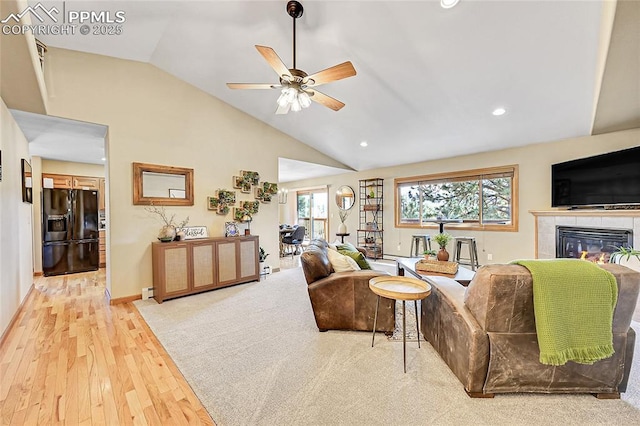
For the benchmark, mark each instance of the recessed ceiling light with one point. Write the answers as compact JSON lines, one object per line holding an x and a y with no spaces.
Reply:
{"x":364,"y":143}
{"x":448,"y":4}
{"x":499,"y":111}
{"x":103,"y":159}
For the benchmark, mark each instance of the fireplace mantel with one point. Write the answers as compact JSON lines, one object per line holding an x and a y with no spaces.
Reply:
{"x":547,"y":220}
{"x":586,"y":212}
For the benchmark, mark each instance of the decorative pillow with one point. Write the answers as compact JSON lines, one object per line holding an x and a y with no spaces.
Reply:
{"x":342,"y":263}
{"x":349,"y":250}
{"x":346,"y":246}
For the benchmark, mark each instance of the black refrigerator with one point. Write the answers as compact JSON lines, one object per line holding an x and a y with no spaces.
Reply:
{"x":70,"y":238}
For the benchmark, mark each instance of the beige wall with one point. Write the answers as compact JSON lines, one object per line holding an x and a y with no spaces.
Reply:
{"x":72,"y":168}
{"x":535,"y":192}
{"x":16,"y":262}
{"x":156,"y":118}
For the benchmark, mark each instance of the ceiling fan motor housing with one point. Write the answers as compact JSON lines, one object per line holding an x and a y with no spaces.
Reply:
{"x":294,"y":9}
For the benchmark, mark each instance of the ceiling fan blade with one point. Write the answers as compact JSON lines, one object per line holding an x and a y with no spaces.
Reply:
{"x":274,"y":61}
{"x":337,"y":72}
{"x":283,"y":109}
{"x":326,"y":100}
{"x":252,"y":86}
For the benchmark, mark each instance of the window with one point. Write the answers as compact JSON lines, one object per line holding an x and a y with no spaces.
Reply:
{"x":485,"y":199}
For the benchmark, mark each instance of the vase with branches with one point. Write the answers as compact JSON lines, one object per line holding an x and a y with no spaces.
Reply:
{"x":343,"y":214}
{"x":168,"y":230}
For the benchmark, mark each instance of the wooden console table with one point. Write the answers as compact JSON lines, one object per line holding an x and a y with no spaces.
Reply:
{"x":182,"y":268}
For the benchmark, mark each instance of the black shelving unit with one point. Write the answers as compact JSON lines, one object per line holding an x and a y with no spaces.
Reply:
{"x":370,"y":230}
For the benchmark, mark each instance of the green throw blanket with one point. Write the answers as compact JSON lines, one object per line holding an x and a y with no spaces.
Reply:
{"x":573,"y":302}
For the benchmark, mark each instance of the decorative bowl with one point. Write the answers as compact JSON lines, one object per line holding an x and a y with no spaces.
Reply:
{"x":166,"y":239}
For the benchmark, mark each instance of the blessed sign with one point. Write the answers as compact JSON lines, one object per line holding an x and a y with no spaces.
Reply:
{"x":193,"y":232}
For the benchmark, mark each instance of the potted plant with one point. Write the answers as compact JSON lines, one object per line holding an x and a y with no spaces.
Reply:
{"x":626,"y":256}
{"x":442,"y":240}
{"x":429,"y":254}
{"x":262,"y":257}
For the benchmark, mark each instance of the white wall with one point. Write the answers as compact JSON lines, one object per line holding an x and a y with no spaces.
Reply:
{"x":156,"y":118}
{"x":535,"y":192}
{"x":16,"y":262}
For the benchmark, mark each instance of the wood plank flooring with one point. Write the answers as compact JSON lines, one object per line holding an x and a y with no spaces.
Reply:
{"x":71,"y":358}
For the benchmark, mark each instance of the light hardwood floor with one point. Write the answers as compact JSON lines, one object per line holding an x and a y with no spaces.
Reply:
{"x":71,"y":358}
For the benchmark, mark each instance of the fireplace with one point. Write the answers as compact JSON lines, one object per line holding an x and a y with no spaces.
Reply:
{"x":593,"y":244}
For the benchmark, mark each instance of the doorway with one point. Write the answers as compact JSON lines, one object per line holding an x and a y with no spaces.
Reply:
{"x":312,"y":212}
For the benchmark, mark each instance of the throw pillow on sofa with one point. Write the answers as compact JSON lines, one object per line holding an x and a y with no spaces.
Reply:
{"x":349,"y":250}
{"x":341,"y":263}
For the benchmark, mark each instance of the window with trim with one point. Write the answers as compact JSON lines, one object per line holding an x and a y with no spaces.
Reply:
{"x":485,"y":199}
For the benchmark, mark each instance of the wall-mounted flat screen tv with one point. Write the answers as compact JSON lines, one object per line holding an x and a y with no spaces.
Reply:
{"x":603,"y":180}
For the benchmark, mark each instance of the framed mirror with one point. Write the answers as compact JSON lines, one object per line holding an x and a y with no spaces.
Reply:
{"x":162,"y":185}
{"x":345,"y":197}
{"x":27,"y":182}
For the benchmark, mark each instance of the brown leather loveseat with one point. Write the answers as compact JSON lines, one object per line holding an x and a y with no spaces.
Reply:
{"x":343,"y":300}
{"x":486,"y":334}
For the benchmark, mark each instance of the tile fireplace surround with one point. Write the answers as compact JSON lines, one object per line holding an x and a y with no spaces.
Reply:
{"x":547,"y":220}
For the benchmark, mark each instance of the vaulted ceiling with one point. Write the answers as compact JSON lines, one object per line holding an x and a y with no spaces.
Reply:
{"x":427,"y":78}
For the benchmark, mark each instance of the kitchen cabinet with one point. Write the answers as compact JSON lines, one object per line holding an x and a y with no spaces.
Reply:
{"x":59,"y":181}
{"x":188,"y":267}
{"x":72,"y":182}
{"x":102,"y":248}
{"x":86,"y":182}
{"x":101,"y":194}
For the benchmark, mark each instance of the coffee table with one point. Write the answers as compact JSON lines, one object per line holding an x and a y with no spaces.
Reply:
{"x":463,"y":276}
{"x":399,"y":288}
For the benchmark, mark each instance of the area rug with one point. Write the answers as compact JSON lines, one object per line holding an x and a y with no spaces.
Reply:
{"x":253,"y":355}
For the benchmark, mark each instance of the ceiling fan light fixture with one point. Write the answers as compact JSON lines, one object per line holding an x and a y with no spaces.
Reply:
{"x":295,"y":105}
{"x":448,"y":4}
{"x":304,"y":99}
{"x":294,"y":82}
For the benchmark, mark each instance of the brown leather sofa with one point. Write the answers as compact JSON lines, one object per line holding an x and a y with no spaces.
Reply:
{"x":486,"y":334}
{"x":343,"y":300}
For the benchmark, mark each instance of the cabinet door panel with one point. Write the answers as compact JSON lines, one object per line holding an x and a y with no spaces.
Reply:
{"x":176,"y":269}
{"x":203,"y":265}
{"x":101,"y":189}
{"x":86,"y":182}
{"x":227,"y":262}
{"x":59,"y":181}
{"x":248,"y":259}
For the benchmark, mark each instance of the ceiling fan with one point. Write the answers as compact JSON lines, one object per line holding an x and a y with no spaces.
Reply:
{"x":298,"y":88}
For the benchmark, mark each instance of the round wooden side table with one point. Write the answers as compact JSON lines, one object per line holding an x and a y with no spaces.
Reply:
{"x":399,"y":288}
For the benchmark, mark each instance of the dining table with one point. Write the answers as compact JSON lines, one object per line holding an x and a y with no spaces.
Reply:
{"x":283,"y":233}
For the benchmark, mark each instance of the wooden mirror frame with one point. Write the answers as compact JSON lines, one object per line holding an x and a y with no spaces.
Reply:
{"x":140,"y":200}
{"x":340,"y":191}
